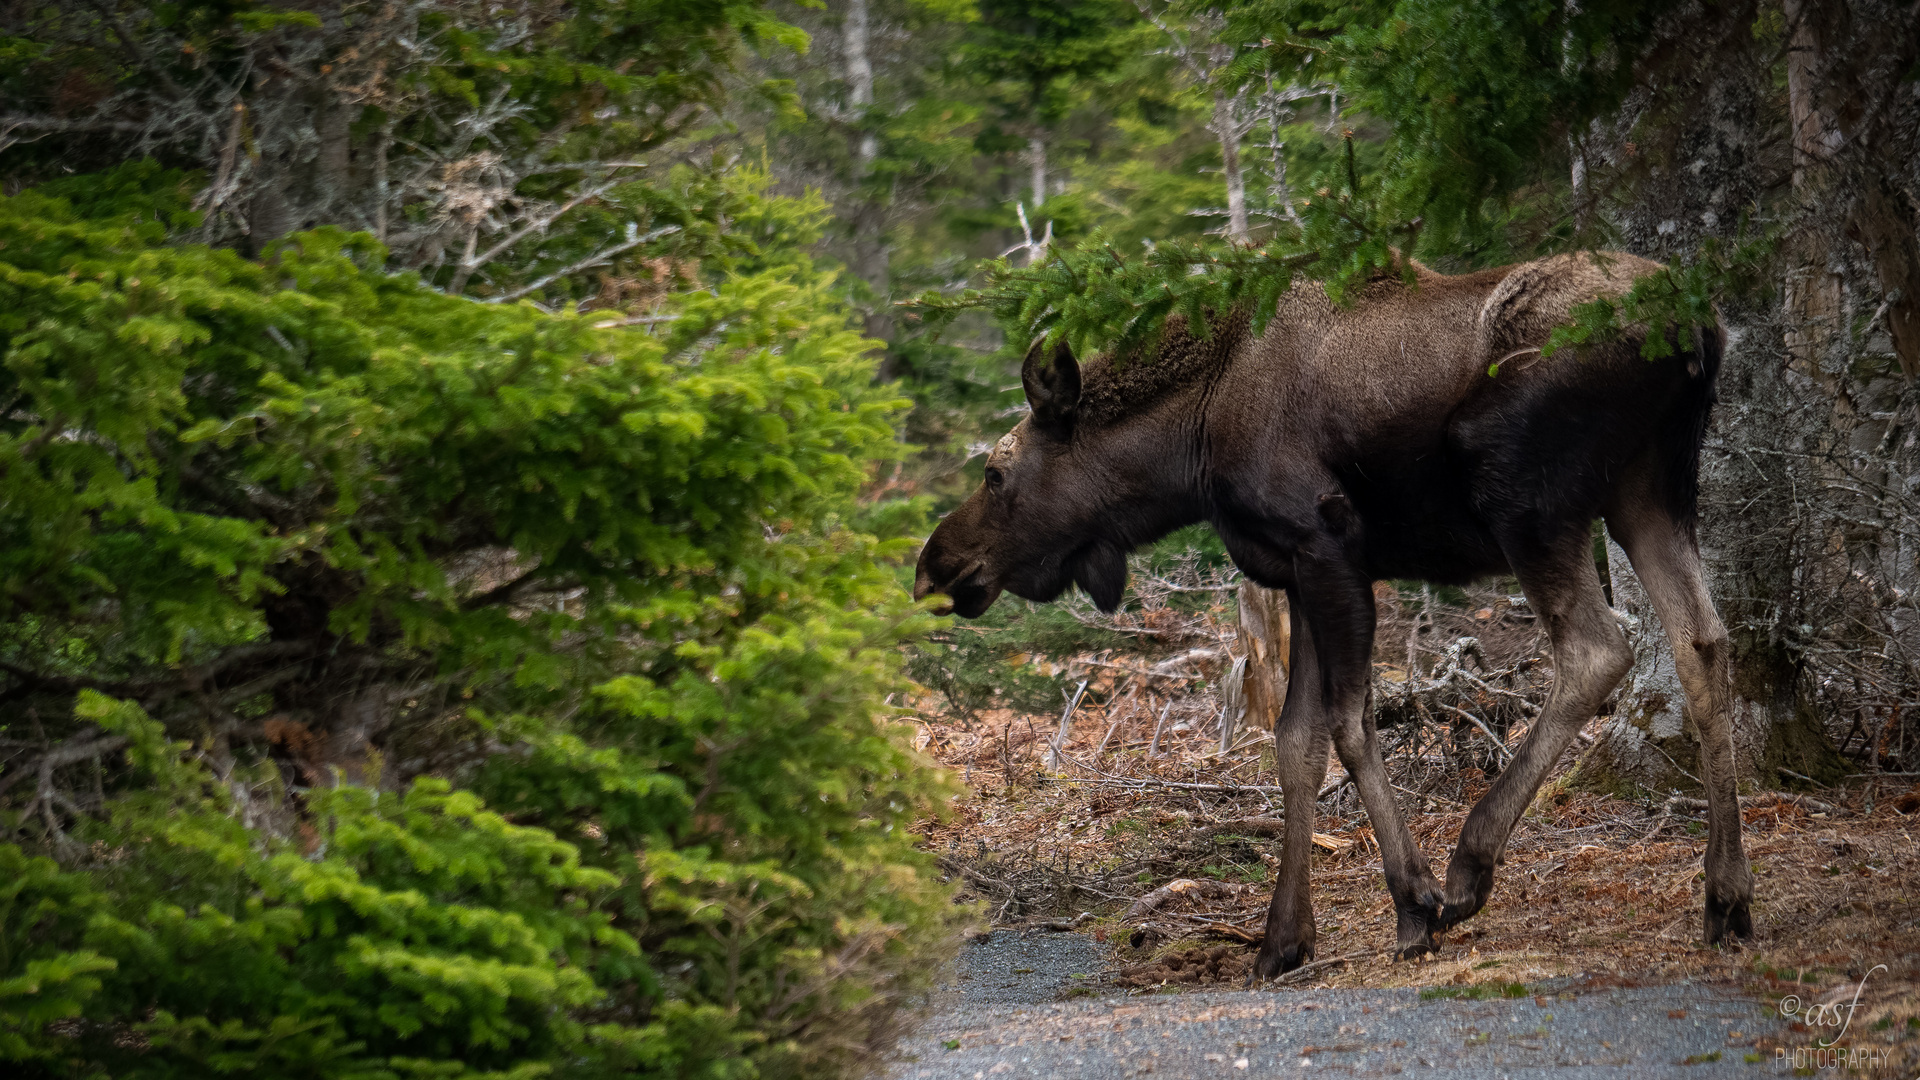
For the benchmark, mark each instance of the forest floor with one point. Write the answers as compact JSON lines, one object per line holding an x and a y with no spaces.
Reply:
{"x":1596,"y":894}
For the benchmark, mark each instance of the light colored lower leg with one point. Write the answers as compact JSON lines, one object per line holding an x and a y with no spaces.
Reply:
{"x":1667,"y":562}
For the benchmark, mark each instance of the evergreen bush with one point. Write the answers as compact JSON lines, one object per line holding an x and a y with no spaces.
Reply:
{"x":401,"y":685}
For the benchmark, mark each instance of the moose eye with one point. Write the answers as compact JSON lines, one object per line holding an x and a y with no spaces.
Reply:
{"x":994,"y":477}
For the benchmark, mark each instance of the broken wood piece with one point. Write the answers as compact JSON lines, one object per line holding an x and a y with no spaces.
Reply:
{"x":1153,"y":746}
{"x":1253,"y":826}
{"x":1234,"y":933}
{"x":1144,"y":782}
{"x":1121,"y":714}
{"x":1687,"y":803}
{"x":1066,"y":924}
{"x":1198,"y":889}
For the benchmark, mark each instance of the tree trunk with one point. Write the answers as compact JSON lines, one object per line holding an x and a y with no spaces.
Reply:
{"x":1813,"y":290}
{"x":1644,"y":740}
{"x":1754,"y":529}
{"x":871,"y":261}
{"x":332,"y":177}
{"x":269,"y":215}
{"x":1265,"y":631}
{"x":1037,"y":158}
{"x":1885,"y":224}
{"x":1224,"y":128}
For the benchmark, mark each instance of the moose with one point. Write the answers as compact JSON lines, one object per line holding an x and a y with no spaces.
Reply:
{"x":1416,"y":431}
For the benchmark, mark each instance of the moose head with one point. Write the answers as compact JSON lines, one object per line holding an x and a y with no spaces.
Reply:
{"x":1079,"y":482}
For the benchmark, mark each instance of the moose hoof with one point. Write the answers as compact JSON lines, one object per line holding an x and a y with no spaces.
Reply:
{"x":1274,"y":962}
{"x":1415,"y":932}
{"x":1728,"y":921}
{"x":1453,"y":915}
{"x":1468,"y":886}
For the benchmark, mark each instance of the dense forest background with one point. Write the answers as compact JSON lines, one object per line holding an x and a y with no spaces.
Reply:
{"x":457,"y":459}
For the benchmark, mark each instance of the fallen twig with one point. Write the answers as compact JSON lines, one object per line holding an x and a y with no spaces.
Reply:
{"x":1253,"y":826}
{"x":1698,"y":806}
{"x":1234,"y":933}
{"x":1265,"y":789}
{"x":1153,"y":747}
{"x":1300,"y":973}
{"x":1505,"y":754}
{"x":1066,"y":720}
{"x":1062,"y":925}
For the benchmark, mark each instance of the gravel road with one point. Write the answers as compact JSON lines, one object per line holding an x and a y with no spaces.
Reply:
{"x":1016,"y":1009}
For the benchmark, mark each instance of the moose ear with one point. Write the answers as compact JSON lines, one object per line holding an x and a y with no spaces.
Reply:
{"x":1052,"y":381}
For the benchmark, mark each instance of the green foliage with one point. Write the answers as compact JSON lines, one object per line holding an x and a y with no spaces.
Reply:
{"x":41,"y":980}
{"x":1476,"y":97}
{"x":1040,"y":48}
{"x":1474,"y":107}
{"x":419,"y":931}
{"x":1477,"y":992}
{"x":1099,"y":297}
{"x":509,"y":684}
{"x":199,"y":945}
{"x":993,"y":661}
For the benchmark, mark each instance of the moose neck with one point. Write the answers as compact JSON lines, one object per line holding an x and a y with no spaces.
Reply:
{"x":1149,"y":446}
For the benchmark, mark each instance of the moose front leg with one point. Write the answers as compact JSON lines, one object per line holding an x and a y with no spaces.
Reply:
{"x":1336,"y":596}
{"x":1300,"y":749}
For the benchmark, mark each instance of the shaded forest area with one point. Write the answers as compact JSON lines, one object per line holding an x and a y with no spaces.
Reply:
{"x":460,"y":466}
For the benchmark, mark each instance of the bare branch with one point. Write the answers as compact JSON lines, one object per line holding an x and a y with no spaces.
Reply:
{"x":598,"y":258}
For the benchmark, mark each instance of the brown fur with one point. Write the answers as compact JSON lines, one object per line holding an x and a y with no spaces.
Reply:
{"x":1348,"y":444}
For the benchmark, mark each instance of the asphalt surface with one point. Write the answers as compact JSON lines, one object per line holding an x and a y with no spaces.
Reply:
{"x":1015,"y":1009}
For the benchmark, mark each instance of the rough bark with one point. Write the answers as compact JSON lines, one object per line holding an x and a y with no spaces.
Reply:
{"x":1641,"y":743}
{"x":1719,"y":156}
{"x":1813,"y":288}
{"x":1886,"y":226}
{"x":1264,"y":627}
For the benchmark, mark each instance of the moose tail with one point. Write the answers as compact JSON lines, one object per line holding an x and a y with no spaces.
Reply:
{"x":1683,"y":435}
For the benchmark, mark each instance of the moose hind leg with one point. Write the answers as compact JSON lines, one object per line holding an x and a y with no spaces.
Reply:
{"x":1590,"y":655}
{"x":1666,"y":558}
{"x":1300,"y":748}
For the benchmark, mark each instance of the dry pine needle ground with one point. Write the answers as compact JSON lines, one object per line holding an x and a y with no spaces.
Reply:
{"x":1591,"y":884}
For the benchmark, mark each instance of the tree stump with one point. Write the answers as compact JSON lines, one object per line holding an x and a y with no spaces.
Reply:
{"x":1265,"y":637}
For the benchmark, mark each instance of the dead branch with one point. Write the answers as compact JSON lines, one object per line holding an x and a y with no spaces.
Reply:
{"x":1300,"y":973}
{"x":70,"y":752}
{"x":1196,"y":888}
{"x":1253,"y":826}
